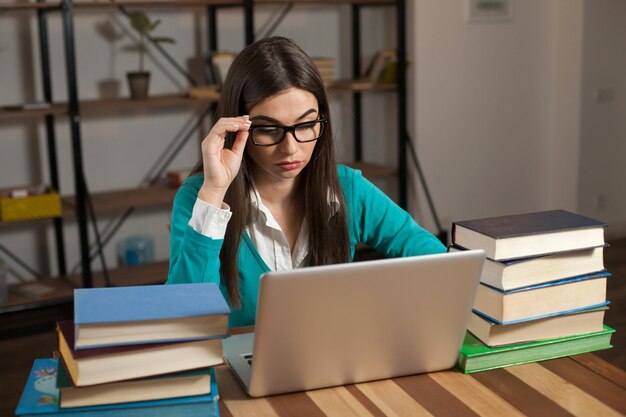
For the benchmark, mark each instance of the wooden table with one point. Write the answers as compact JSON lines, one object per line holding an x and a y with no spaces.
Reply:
{"x":582,"y":385}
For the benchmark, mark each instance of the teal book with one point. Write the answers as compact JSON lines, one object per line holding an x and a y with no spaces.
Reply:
{"x":41,"y":398}
{"x":476,"y":356}
{"x":119,"y":316}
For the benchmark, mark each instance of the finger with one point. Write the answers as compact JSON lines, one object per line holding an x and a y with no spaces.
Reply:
{"x":213,"y":142}
{"x":231,"y":124}
{"x":239,"y":143}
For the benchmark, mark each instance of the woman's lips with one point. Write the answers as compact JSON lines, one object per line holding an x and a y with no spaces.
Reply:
{"x":289,"y":165}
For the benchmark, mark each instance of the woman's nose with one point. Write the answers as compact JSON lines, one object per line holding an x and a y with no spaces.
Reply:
{"x":289,"y":145}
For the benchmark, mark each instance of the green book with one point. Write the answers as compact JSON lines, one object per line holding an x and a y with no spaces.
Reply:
{"x":476,"y":356}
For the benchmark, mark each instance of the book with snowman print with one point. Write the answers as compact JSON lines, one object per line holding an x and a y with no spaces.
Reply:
{"x":41,"y":397}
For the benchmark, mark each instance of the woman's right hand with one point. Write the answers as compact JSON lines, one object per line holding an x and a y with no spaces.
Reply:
{"x":221,"y":165}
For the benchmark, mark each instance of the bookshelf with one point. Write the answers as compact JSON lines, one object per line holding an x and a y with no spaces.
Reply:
{"x":160,"y":195}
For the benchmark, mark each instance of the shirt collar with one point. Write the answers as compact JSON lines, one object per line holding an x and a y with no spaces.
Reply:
{"x":257,"y":203}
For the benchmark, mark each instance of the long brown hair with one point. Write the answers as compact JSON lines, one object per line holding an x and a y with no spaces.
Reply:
{"x":261,"y":70}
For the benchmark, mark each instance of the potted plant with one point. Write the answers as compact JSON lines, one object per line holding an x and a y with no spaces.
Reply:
{"x":109,"y":87}
{"x":139,"y":81}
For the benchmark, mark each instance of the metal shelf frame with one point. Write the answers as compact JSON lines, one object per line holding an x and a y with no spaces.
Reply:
{"x":73,"y":106}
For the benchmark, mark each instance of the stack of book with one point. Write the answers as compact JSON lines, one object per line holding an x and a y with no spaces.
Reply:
{"x":145,"y":350}
{"x":543,"y":288}
{"x":326,"y":67}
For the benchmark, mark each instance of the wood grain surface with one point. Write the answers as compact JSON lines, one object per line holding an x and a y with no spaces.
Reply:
{"x":560,"y":387}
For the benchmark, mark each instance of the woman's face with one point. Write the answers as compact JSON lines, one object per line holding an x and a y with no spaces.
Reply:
{"x":286,"y":160}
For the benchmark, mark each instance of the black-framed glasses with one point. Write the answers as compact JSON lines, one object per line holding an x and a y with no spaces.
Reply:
{"x":270,"y":135}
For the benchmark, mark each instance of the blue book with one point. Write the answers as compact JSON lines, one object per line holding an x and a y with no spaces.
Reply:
{"x":41,"y":397}
{"x":120,"y":316}
{"x":543,"y":300}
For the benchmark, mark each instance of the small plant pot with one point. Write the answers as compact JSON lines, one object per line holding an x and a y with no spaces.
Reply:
{"x":138,"y":83}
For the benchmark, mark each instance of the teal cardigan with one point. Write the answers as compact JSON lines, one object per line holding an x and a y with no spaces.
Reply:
{"x":373,"y":219}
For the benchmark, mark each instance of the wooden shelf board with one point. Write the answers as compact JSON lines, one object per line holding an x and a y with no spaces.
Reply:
{"x":168,"y":100}
{"x":63,"y":287}
{"x":162,"y":195}
{"x":362,"y":86}
{"x":29,"y":6}
{"x":82,"y":4}
{"x":146,"y":274}
{"x":55,"y":108}
{"x":63,"y":291}
{"x":111,"y":201}
{"x":373,"y":2}
{"x":14,"y":223}
{"x":107,"y":202}
{"x":102,"y":4}
{"x":372,"y":171}
{"x":97,"y":105}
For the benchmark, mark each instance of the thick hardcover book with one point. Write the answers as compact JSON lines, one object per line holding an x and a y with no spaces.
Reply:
{"x":530,"y":234}
{"x":151,"y":313}
{"x":519,"y":273}
{"x":111,"y":364}
{"x":543,"y":300}
{"x":41,"y":397}
{"x":179,"y":384}
{"x":494,"y":334}
{"x":476,"y":356}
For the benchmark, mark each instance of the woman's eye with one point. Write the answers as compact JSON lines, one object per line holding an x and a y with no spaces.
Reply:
{"x":306,"y":127}
{"x":266,"y":130}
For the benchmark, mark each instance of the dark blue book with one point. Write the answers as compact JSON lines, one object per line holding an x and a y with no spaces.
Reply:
{"x":41,"y":397}
{"x":529,"y":234}
{"x":120,"y":316}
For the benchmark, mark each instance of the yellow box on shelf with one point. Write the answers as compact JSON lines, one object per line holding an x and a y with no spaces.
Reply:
{"x":29,"y":203}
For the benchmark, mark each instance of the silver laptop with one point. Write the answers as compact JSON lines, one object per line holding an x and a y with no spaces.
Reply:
{"x":341,"y":324}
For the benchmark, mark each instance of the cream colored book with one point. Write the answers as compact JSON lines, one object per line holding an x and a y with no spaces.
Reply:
{"x":544,"y":300}
{"x":493,"y":334}
{"x":112,"y":364}
{"x":519,"y":273}
{"x":180,"y":384}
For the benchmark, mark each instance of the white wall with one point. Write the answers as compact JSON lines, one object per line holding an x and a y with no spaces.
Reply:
{"x":565,"y":104}
{"x":602,"y":187}
{"x":503,"y":112}
{"x":481,"y":107}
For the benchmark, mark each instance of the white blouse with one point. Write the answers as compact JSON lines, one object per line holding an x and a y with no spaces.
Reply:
{"x":265,"y":232}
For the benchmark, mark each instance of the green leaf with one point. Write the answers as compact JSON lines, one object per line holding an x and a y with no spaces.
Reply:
{"x":140,"y":22}
{"x":154,"y":25}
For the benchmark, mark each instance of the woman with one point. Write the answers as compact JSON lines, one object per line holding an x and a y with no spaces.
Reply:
{"x":268,"y":194}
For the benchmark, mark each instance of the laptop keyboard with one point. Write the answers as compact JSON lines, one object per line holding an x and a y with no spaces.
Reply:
{"x":248,"y":358}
